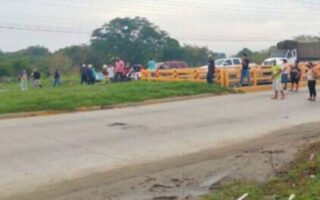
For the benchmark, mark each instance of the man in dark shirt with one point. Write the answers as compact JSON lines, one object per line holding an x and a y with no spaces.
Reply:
{"x":211,"y":70}
{"x":245,"y":71}
{"x":56,"y":81}
{"x":36,"y":78}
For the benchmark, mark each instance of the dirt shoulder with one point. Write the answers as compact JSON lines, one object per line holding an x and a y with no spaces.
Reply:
{"x":189,"y":176}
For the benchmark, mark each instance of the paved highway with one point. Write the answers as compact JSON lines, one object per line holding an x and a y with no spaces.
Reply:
{"x":42,"y":150}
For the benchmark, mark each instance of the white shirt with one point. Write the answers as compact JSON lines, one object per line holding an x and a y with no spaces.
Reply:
{"x":110,"y":71}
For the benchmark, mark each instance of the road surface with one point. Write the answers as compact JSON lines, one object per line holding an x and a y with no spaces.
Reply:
{"x":43,"y":150}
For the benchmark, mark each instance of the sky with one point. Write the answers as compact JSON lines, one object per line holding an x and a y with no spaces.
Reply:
{"x":222,"y":25}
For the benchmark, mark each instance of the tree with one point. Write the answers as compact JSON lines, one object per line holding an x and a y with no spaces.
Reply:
{"x":307,"y":38}
{"x":257,"y":56}
{"x":133,"y":39}
{"x":59,"y":61}
{"x":198,"y":56}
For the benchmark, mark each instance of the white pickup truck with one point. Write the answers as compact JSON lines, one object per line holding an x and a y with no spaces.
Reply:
{"x":229,"y":63}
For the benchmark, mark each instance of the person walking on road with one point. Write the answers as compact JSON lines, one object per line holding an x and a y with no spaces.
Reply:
{"x":312,"y":76}
{"x":245,"y":71}
{"x":24,"y":80}
{"x":211,"y":70}
{"x":285,"y":74}
{"x":295,"y":75}
{"x":276,"y":81}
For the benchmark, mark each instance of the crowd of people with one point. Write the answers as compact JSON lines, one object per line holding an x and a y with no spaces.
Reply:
{"x":117,"y":72}
{"x":281,"y":76}
{"x":35,"y":78}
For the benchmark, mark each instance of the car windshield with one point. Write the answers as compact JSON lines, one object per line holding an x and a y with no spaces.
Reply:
{"x":219,"y":62}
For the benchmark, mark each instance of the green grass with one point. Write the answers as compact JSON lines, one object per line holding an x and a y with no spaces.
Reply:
{"x":71,"y":95}
{"x":296,"y":181}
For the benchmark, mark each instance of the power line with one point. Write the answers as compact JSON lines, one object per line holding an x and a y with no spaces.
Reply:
{"x":41,"y":29}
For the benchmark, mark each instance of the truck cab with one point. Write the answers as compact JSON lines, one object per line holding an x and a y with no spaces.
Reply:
{"x":294,"y":50}
{"x":279,"y":55}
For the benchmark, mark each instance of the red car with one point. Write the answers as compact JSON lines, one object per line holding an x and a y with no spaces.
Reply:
{"x":172,"y":65}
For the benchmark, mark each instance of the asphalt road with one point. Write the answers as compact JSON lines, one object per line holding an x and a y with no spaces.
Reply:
{"x":43,"y":150}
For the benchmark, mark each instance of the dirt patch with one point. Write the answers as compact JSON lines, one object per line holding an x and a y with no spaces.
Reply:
{"x":190,"y":176}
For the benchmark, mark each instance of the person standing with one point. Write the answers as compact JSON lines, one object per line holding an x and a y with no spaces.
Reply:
{"x":245,"y":71}
{"x":285,"y":74}
{"x":211,"y":70}
{"x":276,"y":81}
{"x":119,"y":70}
{"x":56,"y":81}
{"x":110,"y":71}
{"x":151,"y":65}
{"x":36,"y":78}
{"x":84,"y":75}
{"x":24,"y":80}
{"x":90,"y":75}
{"x":295,"y":75}
{"x":312,"y":76}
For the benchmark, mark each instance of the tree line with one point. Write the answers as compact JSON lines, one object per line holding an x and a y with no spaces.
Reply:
{"x":133,"y":39}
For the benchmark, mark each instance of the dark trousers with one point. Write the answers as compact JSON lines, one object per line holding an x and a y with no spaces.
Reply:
{"x":119,"y":77}
{"x":312,"y":88}
{"x":210,"y":77}
{"x":84,"y":79}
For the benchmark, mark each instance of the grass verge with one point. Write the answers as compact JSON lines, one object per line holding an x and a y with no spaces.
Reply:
{"x":71,"y":95}
{"x":301,"y":179}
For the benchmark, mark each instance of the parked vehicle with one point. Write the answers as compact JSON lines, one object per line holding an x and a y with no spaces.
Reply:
{"x":99,"y":76}
{"x":228,"y":63}
{"x":292,"y":50}
{"x":172,"y":65}
{"x":135,"y":72}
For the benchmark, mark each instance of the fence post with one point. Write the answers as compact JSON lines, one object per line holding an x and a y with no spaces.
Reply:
{"x":255,"y":81}
{"x":175,"y":74}
{"x":219,"y":76}
{"x":195,"y":75}
{"x":226,"y":73}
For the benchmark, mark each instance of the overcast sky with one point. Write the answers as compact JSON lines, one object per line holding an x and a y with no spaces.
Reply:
{"x":222,"y":25}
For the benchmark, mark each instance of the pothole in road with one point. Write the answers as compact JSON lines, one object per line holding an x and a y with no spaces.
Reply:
{"x":126,"y":126}
{"x":118,"y":124}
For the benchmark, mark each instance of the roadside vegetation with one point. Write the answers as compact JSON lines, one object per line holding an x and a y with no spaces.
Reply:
{"x":71,"y":95}
{"x":301,"y":181}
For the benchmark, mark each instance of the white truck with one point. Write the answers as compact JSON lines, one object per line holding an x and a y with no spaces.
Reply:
{"x":292,"y":50}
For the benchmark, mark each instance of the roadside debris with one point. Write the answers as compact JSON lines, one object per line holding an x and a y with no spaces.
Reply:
{"x":243,"y":196}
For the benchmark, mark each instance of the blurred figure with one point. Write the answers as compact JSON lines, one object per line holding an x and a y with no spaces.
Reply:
{"x":119,"y":70}
{"x":285,"y":74}
{"x":56,"y":81}
{"x":105,"y":72}
{"x":295,"y":75}
{"x":24,"y":80}
{"x":245,"y":71}
{"x":312,"y":77}
{"x":36,"y":78}
{"x":111,"y":73}
{"x":211,"y":70}
{"x":151,"y":64}
{"x":276,"y":81}
{"x":90,"y":75}
{"x":84,"y":75}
